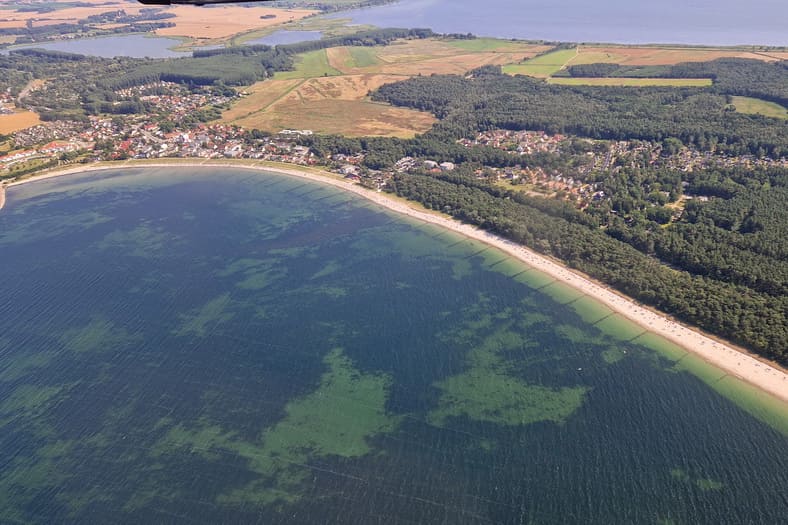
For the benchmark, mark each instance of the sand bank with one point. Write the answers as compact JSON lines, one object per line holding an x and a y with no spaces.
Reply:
{"x":735,"y":362}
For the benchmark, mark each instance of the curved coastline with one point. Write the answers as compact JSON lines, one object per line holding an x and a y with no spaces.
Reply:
{"x":768,"y":377}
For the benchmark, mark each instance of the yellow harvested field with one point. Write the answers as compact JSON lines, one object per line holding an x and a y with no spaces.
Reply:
{"x":17,"y":121}
{"x":327,"y":105}
{"x":349,"y":87}
{"x":216,"y":23}
{"x":226,"y":21}
{"x":11,"y":24}
{"x":68,"y":15}
{"x":353,"y":118}
{"x":659,"y":56}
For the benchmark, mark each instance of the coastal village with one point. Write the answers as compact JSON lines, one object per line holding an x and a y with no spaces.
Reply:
{"x":169,"y":130}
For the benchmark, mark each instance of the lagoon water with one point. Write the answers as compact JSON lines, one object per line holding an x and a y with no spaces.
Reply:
{"x":702,"y":22}
{"x":136,"y":45}
{"x":215,"y":345}
{"x":706,"y":22}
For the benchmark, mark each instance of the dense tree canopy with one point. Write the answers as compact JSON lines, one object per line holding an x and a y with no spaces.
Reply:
{"x":696,"y":116}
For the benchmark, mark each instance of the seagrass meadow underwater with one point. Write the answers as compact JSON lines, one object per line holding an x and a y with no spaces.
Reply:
{"x":216,"y":345}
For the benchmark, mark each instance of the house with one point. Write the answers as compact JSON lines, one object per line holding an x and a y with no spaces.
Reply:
{"x":349,"y":170}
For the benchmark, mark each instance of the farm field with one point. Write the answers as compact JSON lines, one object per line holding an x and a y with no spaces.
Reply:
{"x":335,"y":104}
{"x":308,"y":65}
{"x":17,"y":121}
{"x":328,"y":90}
{"x":641,"y":82}
{"x":259,"y":96}
{"x":544,"y":65}
{"x":427,"y":56}
{"x":67,"y":15}
{"x":227,"y":21}
{"x":756,"y":106}
{"x":223,"y":23}
{"x":491,"y":44}
{"x":660,"y":56}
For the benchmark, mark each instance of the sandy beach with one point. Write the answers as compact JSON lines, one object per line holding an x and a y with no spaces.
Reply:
{"x":733,"y":361}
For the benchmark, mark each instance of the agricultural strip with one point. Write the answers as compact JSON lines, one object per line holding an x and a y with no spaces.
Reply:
{"x":658,"y":56}
{"x":543,"y":65}
{"x":637,"y":82}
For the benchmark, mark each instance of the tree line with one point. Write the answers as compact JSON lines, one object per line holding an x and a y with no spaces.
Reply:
{"x":731,"y":76}
{"x":753,"y":319}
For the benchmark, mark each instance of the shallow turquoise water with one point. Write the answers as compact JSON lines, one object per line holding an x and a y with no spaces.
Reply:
{"x":190,"y":346}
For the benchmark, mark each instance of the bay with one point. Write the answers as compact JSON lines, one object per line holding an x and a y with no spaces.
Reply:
{"x":135,"y":45}
{"x":702,"y":22}
{"x":218,"y":345}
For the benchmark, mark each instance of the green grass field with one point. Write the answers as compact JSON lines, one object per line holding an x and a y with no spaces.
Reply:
{"x":543,"y":65}
{"x":481,"y":44}
{"x":756,"y":106}
{"x":310,"y":65}
{"x":364,"y":56}
{"x":638,"y":82}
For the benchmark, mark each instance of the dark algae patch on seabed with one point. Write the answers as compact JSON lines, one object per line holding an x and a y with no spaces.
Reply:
{"x":216,"y":345}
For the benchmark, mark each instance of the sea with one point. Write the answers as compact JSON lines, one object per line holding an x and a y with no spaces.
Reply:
{"x":216,"y":345}
{"x":703,"y":22}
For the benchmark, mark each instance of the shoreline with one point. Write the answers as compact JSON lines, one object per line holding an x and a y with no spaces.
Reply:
{"x":768,"y":377}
